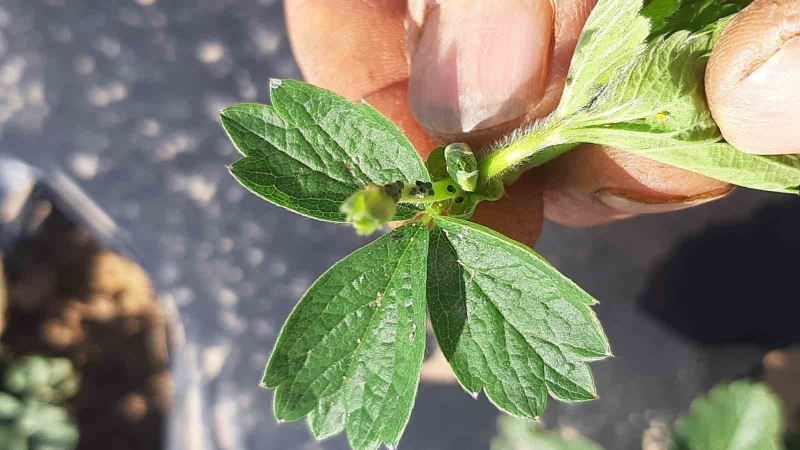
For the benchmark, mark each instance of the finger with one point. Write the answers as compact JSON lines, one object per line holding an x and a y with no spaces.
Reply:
{"x":593,"y":185}
{"x":479,"y":69}
{"x":753,"y":78}
{"x":357,"y":49}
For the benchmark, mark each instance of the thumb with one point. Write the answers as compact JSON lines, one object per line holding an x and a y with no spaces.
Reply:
{"x":477,"y":65}
{"x":753,"y":78}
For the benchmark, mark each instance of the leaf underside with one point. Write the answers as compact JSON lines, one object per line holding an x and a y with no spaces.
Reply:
{"x":349,"y":355}
{"x":312,"y":149}
{"x":645,"y":93}
{"x":508,"y":322}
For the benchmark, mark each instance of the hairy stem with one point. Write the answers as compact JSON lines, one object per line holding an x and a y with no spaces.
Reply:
{"x":523,"y":150}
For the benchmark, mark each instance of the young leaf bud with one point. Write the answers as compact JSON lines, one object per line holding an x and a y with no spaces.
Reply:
{"x":370,"y":208}
{"x":462,"y":165}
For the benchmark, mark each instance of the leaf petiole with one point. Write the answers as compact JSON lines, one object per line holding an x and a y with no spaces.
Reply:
{"x":422,"y":193}
{"x":524,"y":150}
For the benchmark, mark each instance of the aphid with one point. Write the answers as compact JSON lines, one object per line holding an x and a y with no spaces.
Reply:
{"x":450,"y":188}
{"x":431,"y":192}
{"x":420,"y":183}
{"x":414,"y":191}
{"x":459,"y":199}
{"x":428,"y":185}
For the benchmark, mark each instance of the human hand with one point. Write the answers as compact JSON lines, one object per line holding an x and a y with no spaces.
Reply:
{"x":459,"y":70}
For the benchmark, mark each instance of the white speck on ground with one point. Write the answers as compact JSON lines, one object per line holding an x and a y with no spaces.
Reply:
{"x":173,"y":145}
{"x":183,"y":295}
{"x":210,"y":52}
{"x":656,"y":436}
{"x":266,"y":41}
{"x":255,"y":256}
{"x":84,"y":165}
{"x":146,"y":2}
{"x":213,"y":358}
{"x":102,"y":96}
{"x":225,"y":245}
{"x":232,"y":323}
{"x":109,"y":47}
{"x":150,"y":128}
{"x":22,"y":95}
{"x":228,"y":298}
{"x":227,"y":421}
{"x":196,"y":187}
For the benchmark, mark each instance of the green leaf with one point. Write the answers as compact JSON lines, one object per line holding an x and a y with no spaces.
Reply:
{"x":669,"y":16}
{"x":612,"y":36}
{"x":9,"y":406}
{"x":462,"y":166}
{"x":778,"y":173}
{"x":661,"y":92}
{"x":349,"y":354}
{"x":516,"y":434}
{"x":436,"y":164}
{"x":739,"y":416}
{"x":509,"y":322}
{"x":312,"y":149}
{"x":656,"y":107}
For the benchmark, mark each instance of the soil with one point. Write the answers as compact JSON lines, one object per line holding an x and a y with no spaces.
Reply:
{"x":68,"y":296}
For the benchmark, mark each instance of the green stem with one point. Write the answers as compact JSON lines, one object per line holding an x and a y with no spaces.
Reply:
{"x":529,"y":150}
{"x":442,"y":190}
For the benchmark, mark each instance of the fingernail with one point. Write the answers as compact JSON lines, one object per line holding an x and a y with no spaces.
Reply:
{"x":479,"y":64}
{"x":628,"y":203}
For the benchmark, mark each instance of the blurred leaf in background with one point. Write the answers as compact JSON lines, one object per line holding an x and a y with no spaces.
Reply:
{"x":739,"y":416}
{"x":517,"y":434}
{"x":32,"y":411}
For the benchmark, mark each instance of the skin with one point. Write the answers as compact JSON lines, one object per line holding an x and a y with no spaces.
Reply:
{"x":460,"y":70}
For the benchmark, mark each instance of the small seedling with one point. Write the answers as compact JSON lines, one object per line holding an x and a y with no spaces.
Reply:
{"x":32,"y":412}
{"x":348,"y":357}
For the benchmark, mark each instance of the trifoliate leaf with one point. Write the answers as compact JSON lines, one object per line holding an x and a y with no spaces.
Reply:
{"x":739,"y":416}
{"x":349,"y":354}
{"x":516,"y":434}
{"x":462,"y":165}
{"x":508,"y":322}
{"x":312,"y":149}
